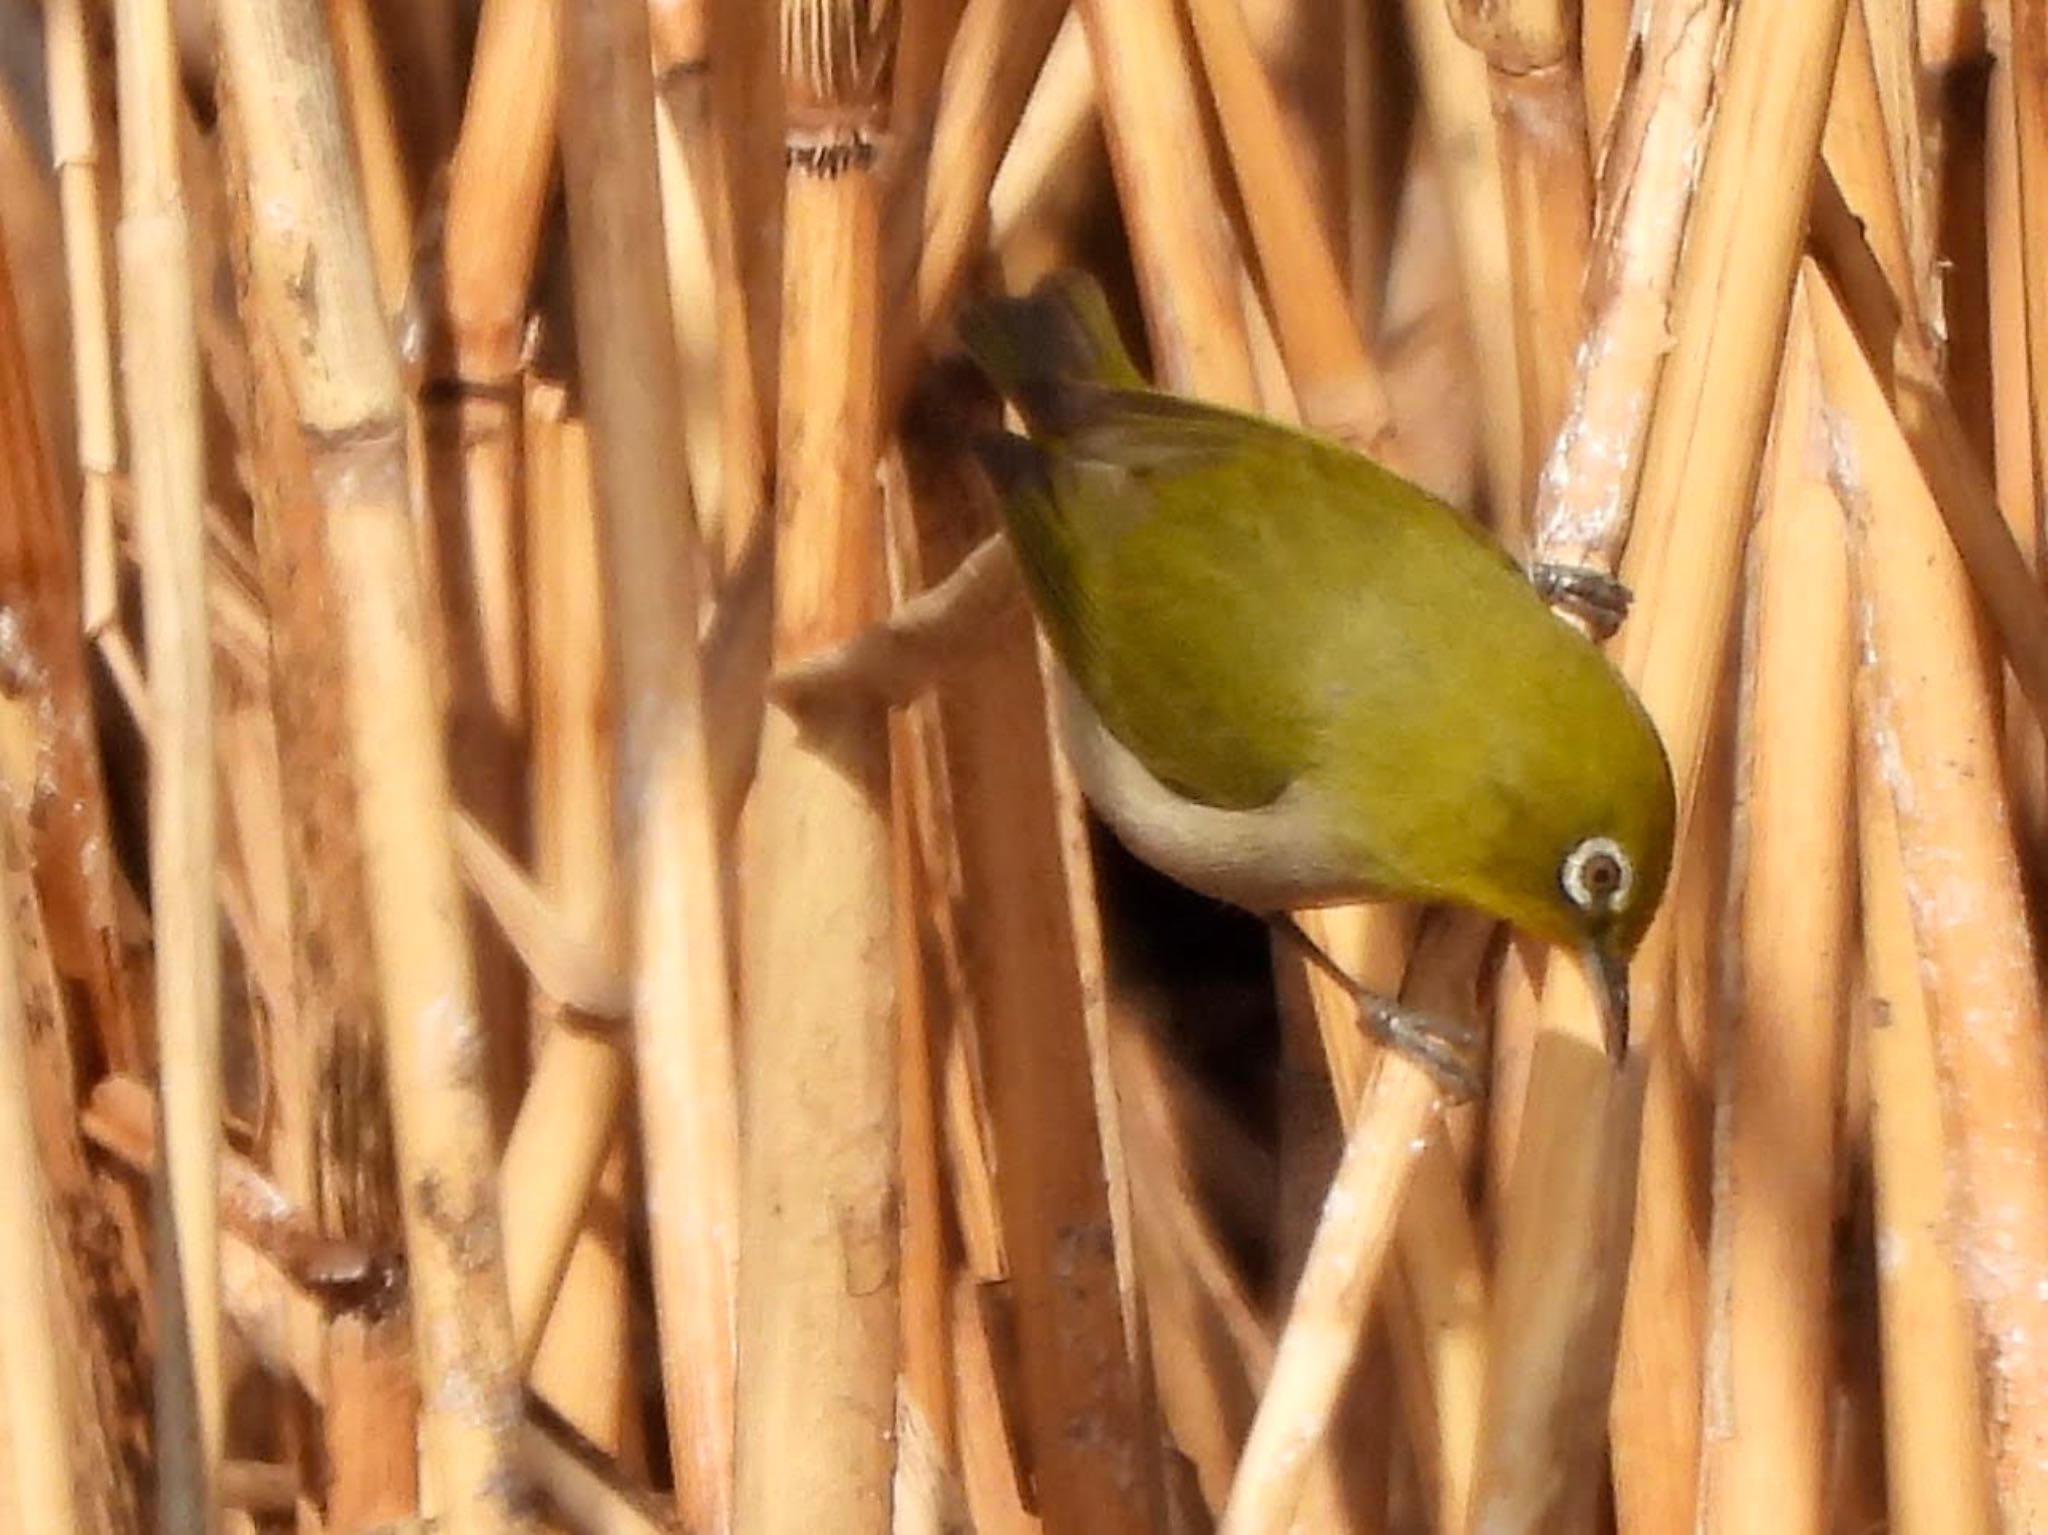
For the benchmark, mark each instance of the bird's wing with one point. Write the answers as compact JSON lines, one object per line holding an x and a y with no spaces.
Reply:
{"x":1192,"y":567}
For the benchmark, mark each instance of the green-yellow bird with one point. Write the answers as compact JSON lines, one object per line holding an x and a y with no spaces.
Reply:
{"x":1294,"y":679}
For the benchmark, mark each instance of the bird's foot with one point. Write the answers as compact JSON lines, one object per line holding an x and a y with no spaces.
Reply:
{"x":1452,"y":1052}
{"x":1584,"y":592}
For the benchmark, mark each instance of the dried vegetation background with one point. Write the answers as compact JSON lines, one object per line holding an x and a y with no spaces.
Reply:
{"x":471,"y":1060}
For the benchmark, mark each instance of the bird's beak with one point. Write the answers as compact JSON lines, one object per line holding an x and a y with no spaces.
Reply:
{"x":1609,"y":974}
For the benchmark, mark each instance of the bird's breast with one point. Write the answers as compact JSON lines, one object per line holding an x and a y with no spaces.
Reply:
{"x":1278,"y":856}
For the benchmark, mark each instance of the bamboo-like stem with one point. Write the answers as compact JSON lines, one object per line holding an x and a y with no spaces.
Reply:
{"x":581,"y":1368}
{"x":1085,"y":1436}
{"x":1539,"y":109}
{"x":1586,"y":492}
{"x":325,"y":321}
{"x":683,"y":1025}
{"x":380,"y":159}
{"x":160,"y":366}
{"x":1332,"y":371}
{"x":1940,"y":751}
{"x":1360,"y":1214}
{"x":1766,"y":1434}
{"x":37,"y":1419}
{"x":1559,"y":1268}
{"x":1893,"y":29}
{"x":74,"y":144}
{"x":998,"y":52}
{"x":818,"y":1252}
{"x":1933,"y":1428}
{"x":2011,"y":420}
{"x":1180,"y":241}
{"x":1859,"y":158}
{"x":687,"y":69}
{"x":1610,"y":48}
{"x":1455,"y":96}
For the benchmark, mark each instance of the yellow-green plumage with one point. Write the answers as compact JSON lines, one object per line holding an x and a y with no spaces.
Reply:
{"x":1262,"y":618}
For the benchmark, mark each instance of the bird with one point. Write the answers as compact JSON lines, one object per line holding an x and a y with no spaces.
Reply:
{"x":1288,"y":678}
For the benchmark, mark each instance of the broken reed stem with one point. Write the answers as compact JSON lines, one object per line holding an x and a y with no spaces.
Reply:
{"x":1328,"y":362}
{"x":326,"y":323}
{"x":1767,"y":1443}
{"x":1180,"y":240}
{"x":1939,"y":752}
{"x":818,"y":1251}
{"x":1548,"y":1356}
{"x":1082,"y":1411}
{"x":37,"y":1422}
{"x":667,"y":837}
{"x":1935,"y":1465}
{"x":1546,"y":171}
{"x":1586,"y":491}
{"x":160,"y":368}
{"x":74,"y":145}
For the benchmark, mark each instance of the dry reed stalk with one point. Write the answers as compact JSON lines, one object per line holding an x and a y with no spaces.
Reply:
{"x":325,"y":322}
{"x":1935,"y":1465}
{"x":1180,"y":241}
{"x":2025,"y":58}
{"x":988,"y":1469}
{"x":1054,"y":168}
{"x":1553,"y":1297}
{"x":1084,"y":1429}
{"x":818,"y":1251}
{"x":1939,"y":753}
{"x":498,"y":185}
{"x":1895,"y":50}
{"x":580,"y":1369}
{"x":1586,"y":492}
{"x":1331,"y":1303}
{"x":927,"y":1493}
{"x":1611,"y":48}
{"x":687,"y":70}
{"x":380,"y":157}
{"x":1546,"y":170}
{"x":1455,"y":98}
{"x":160,"y":369}
{"x":1328,"y":362}
{"x":998,"y":52}
{"x":329,"y":1141}
{"x":1858,"y":156}
{"x":75,"y":150}
{"x":1766,"y":1433}
{"x":666,"y":835}
{"x":38,"y":1406}
{"x":2010,"y":416}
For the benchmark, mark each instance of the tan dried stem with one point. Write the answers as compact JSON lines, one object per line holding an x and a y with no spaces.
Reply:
{"x":75,"y":148}
{"x":1586,"y":492}
{"x":1082,"y":1411}
{"x":666,"y":833}
{"x":325,"y":321}
{"x":1180,"y":240}
{"x":1328,"y":362}
{"x":32,"y":1375}
{"x":1767,"y":1439}
{"x":1539,"y":110}
{"x":1455,"y":98}
{"x":1939,"y":752}
{"x":160,"y":368}
{"x":1559,"y":1271}
{"x":818,"y":1250}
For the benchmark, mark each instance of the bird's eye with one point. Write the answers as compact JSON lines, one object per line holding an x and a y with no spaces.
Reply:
{"x":1597,"y":875}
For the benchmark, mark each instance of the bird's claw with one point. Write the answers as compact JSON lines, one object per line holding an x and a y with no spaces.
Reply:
{"x":1589,"y":594}
{"x":1451,"y":1051}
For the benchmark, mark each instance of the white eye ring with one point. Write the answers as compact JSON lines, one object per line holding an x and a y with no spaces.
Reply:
{"x":1585,"y":882}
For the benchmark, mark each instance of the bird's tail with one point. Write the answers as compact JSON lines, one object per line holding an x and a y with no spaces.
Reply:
{"x":1037,"y":348}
